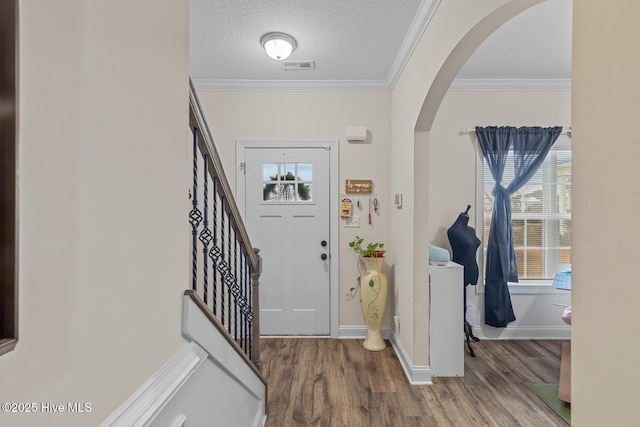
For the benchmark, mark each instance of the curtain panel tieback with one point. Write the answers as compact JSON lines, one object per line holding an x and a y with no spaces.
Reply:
{"x":530,"y":146}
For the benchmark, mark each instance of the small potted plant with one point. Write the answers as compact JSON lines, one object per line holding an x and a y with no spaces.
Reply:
{"x":372,"y":283}
{"x":371,"y":250}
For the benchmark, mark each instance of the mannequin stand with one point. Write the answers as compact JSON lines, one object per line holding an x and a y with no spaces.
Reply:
{"x":464,"y":244}
{"x":468,"y":334}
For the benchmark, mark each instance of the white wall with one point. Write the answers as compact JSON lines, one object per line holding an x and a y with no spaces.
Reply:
{"x":455,"y":31}
{"x":103,"y":179}
{"x":299,"y":115}
{"x":605,"y":112}
{"x":452,"y":186}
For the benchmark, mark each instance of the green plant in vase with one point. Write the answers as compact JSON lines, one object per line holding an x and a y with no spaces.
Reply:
{"x":373,"y":286}
{"x":370,"y":250}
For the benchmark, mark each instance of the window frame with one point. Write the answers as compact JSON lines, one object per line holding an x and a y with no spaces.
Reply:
{"x":523,"y":286}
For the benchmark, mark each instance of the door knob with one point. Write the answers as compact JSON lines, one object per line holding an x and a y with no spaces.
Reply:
{"x":323,"y":256}
{"x":323,"y":243}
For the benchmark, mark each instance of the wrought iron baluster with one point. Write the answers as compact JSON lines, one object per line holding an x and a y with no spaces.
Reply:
{"x":195,"y":216}
{"x":250,"y":331}
{"x":220,"y":265}
{"x":215,"y":242}
{"x":242,"y":284}
{"x":245,"y":318}
{"x":205,"y":234}
{"x":229,"y":273}
{"x":247,"y":328}
{"x":249,"y":304}
{"x":235,"y":270}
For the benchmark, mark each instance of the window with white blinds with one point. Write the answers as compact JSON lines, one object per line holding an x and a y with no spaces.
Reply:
{"x":541,"y":214}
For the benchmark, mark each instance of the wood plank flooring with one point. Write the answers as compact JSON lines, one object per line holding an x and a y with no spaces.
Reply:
{"x":327,"y":382}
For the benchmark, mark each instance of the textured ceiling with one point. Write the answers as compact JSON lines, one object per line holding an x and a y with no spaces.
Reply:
{"x":360,"y":43}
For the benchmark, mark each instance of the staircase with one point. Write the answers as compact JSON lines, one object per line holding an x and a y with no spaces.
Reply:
{"x":215,"y":379}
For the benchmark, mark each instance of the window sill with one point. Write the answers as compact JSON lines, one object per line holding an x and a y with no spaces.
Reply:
{"x":530,"y":287}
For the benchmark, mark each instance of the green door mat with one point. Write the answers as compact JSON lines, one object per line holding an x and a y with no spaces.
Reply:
{"x":548,"y":393}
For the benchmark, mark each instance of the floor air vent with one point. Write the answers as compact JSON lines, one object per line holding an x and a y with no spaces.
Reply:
{"x":298,"y":65}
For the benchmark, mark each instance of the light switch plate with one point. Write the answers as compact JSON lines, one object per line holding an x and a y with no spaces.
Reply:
{"x":353,"y":222}
{"x":398,"y":200}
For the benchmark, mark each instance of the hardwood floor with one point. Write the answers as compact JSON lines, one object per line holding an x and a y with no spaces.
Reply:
{"x":327,"y":382}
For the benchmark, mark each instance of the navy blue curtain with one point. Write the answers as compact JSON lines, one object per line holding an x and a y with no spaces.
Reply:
{"x":530,"y":146}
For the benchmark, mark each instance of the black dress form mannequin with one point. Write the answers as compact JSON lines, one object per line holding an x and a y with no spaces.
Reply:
{"x":464,"y":244}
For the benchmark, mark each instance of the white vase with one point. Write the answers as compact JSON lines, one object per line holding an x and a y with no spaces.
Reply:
{"x":373,"y":288}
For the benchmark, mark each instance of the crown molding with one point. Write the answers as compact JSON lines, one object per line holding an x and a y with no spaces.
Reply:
{"x":511,"y":84}
{"x":423,"y":16}
{"x":283,"y":85}
{"x":378,"y":85}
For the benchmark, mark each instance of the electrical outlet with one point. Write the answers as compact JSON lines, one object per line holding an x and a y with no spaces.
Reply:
{"x":396,"y":320}
{"x":353,"y":222}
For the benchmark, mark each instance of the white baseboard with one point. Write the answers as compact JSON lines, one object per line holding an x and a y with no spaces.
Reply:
{"x":522,"y":333}
{"x":417,"y":375}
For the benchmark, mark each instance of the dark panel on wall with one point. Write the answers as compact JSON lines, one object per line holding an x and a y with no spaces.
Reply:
{"x":8,"y":164}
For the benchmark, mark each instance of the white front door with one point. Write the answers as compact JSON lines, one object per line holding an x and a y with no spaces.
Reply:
{"x":287,"y":217}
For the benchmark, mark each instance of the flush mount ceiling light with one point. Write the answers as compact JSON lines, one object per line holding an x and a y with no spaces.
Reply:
{"x":278,"y":45}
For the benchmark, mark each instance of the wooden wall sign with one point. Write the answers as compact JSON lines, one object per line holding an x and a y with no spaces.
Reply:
{"x":359,"y":186}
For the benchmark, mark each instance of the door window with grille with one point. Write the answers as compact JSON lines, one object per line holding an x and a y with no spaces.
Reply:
{"x":287,"y":182}
{"x":540,"y":214}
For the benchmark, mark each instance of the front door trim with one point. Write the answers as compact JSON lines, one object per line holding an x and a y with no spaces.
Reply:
{"x":332,"y":146}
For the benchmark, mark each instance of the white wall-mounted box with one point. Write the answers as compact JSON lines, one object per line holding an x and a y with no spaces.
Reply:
{"x":356,"y":133}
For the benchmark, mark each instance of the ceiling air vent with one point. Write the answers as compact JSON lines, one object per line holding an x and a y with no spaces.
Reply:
{"x":298,"y":65}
